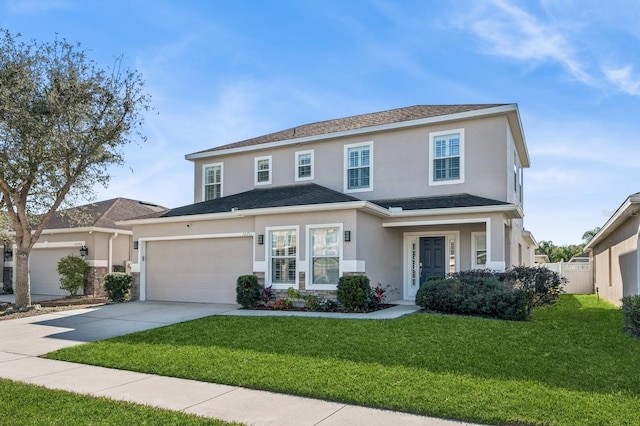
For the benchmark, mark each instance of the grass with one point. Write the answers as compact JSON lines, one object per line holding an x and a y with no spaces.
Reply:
{"x":571,"y":365}
{"x":23,"y":404}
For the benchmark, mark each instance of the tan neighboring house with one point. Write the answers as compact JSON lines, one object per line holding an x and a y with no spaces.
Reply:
{"x":90,"y":230}
{"x":398,"y":195}
{"x":614,"y":253}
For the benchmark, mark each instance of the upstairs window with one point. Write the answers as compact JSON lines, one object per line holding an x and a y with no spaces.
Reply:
{"x":359,"y":167}
{"x":212,"y":181}
{"x":304,"y":165}
{"x":263,"y":170}
{"x":446,"y":153}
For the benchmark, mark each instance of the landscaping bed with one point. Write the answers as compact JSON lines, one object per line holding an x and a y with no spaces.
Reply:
{"x":9,"y":311}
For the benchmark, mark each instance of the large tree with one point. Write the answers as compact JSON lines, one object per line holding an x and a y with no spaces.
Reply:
{"x":63,"y":123}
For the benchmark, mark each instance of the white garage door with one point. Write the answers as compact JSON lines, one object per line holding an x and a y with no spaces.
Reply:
{"x":202,"y":271}
{"x":43,"y":270}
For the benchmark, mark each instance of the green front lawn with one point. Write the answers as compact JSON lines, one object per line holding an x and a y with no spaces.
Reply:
{"x":23,"y":404}
{"x":571,"y":365}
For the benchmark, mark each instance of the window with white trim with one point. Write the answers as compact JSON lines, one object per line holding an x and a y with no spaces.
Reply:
{"x":358,"y":159}
{"x":212,"y":178}
{"x":304,"y":165}
{"x":325,"y":255}
{"x":446,"y":157}
{"x":479,"y":250}
{"x":283,"y":256}
{"x":263,"y":170}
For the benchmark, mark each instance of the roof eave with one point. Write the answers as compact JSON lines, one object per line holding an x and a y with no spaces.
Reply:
{"x":503,"y":109}
{"x":85,"y":229}
{"x":628,"y":208}
{"x":239,"y":213}
{"x":512,"y":211}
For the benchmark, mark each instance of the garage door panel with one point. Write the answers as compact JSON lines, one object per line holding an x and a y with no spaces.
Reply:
{"x":196,"y":270}
{"x":43,"y":270}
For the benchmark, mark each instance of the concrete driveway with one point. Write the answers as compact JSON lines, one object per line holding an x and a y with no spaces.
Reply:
{"x":40,"y":334}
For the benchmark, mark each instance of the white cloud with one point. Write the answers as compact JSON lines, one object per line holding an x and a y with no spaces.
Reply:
{"x":623,"y":79}
{"x":511,"y":32}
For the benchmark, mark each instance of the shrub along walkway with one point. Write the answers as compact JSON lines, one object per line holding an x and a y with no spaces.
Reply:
{"x":20,"y":362}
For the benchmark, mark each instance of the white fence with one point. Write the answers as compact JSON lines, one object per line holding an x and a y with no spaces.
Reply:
{"x":578,"y":275}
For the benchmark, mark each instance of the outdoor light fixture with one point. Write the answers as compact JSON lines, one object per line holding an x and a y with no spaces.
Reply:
{"x":347,"y":235}
{"x":135,"y":245}
{"x":84,"y":250}
{"x":8,"y":254}
{"x":261,"y":239}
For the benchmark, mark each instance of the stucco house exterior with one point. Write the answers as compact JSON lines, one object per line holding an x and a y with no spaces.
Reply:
{"x":91,"y":227}
{"x":398,"y":195}
{"x":614,"y":253}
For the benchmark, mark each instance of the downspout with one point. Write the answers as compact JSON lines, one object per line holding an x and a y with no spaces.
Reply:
{"x":110,"y":263}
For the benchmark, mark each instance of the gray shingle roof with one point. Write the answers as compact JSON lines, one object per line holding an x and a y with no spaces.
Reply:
{"x":439,"y":202}
{"x":103,"y":214}
{"x":313,"y":194}
{"x":280,"y":196}
{"x":397,"y":115}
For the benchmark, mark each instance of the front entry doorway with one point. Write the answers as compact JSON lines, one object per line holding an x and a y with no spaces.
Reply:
{"x":433,"y":255}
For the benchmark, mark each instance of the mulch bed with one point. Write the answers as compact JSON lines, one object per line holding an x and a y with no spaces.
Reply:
{"x":8,"y":310}
{"x":294,"y":309}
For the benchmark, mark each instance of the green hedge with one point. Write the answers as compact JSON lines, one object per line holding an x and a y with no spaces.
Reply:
{"x":631,"y":311}
{"x":117,"y":285}
{"x":485,"y":296}
{"x":248,"y":291}
{"x":511,"y":295}
{"x":355,"y":293}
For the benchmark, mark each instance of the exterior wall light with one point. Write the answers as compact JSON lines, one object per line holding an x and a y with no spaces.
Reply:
{"x":84,"y":251}
{"x":8,"y":254}
{"x":261,"y":239}
{"x":347,"y":235}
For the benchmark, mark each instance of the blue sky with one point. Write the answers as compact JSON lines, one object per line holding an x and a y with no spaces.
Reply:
{"x":224,"y":70}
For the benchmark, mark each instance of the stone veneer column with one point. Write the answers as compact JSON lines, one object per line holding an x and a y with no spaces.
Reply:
{"x":135,"y":286}
{"x":95,"y":281}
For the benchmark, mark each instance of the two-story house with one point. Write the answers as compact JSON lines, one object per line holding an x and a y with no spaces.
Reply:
{"x":398,"y":195}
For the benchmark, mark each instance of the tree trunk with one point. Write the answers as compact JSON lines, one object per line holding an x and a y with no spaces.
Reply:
{"x":23,"y":287}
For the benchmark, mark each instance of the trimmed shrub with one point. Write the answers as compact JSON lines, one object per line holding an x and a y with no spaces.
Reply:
{"x":542,"y":286}
{"x":312,"y":302}
{"x":72,"y":270}
{"x":473,"y":294}
{"x":248,"y":291}
{"x":117,"y":285}
{"x":631,"y":311}
{"x":327,"y":305}
{"x":354,"y":292}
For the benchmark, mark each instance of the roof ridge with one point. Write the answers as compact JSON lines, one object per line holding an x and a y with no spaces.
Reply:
{"x":114,"y":201}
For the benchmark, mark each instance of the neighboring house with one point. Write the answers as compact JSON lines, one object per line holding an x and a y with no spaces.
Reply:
{"x":398,"y":195}
{"x":614,"y":253}
{"x":580,"y":258}
{"x":541,"y":259}
{"x":92,"y":227}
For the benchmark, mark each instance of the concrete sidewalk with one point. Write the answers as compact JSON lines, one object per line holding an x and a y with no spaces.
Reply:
{"x":21,"y":340}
